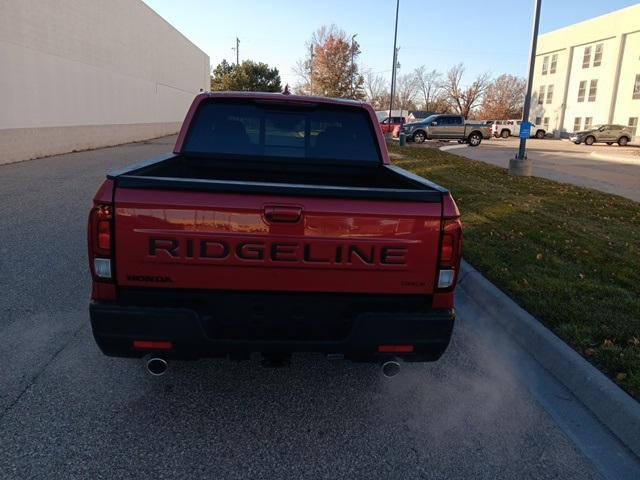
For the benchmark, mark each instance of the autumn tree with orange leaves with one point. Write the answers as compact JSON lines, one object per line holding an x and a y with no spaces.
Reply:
{"x":331,"y":68}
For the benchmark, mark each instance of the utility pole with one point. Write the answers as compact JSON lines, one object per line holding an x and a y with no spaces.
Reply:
{"x":353,"y":37}
{"x":311,"y":56}
{"x":395,"y":59}
{"x":237,"y":52}
{"x":394,"y":76}
{"x":520,"y":165}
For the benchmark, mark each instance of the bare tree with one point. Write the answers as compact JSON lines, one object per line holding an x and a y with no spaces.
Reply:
{"x":376,"y":90}
{"x":440,"y":104}
{"x":464,"y":99}
{"x":429,"y":83}
{"x":406,"y":91}
{"x":504,"y":98}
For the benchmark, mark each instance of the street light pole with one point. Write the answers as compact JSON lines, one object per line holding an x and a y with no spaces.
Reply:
{"x":521,"y":165}
{"x":353,"y":37}
{"x":395,"y":53}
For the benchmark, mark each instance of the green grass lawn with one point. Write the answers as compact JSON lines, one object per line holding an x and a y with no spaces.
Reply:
{"x":570,"y":256}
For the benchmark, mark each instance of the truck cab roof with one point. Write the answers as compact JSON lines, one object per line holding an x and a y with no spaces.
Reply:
{"x":280,"y":97}
{"x":287,"y":102}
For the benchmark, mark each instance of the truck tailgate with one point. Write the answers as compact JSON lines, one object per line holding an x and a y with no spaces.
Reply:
{"x":226,"y":241}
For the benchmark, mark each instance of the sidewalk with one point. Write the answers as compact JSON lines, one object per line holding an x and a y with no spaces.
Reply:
{"x":610,"y":169}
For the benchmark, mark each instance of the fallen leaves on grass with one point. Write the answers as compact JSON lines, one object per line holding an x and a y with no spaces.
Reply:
{"x":579,"y":248}
{"x":608,"y":344}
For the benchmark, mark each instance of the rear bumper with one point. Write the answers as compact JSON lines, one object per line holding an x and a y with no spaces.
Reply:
{"x":196,"y":334}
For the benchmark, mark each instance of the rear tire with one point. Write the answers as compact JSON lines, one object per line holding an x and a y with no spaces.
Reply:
{"x":505,"y":133}
{"x":540,"y":133}
{"x":419,"y":137}
{"x":622,"y":141}
{"x":589,"y":140}
{"x":474,"y":139}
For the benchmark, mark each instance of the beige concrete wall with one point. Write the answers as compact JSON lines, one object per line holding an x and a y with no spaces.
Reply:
{"x":619,"y":32}
{"x":26,"y":143}
{"x":67,"y":65}
{"x":626,"y":107}
{"x":552,"y":110}
{"x":605,"y":75}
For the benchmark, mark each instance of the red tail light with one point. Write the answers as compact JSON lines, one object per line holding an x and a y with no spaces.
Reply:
{"x":450,"y":251}
{"x":446,"y":250}
{"x":451,"y":243}
{"x":104,"y":235}
{"x":100,"y":229}
{"x":100,"y":242}
{"x":450,"y":254}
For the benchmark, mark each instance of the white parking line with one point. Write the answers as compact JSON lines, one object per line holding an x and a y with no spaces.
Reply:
{"x":452,"y":147}
{"x":616,"y":158}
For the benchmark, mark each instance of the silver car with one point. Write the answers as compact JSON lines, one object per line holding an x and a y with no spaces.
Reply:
{"x":608,"y":134}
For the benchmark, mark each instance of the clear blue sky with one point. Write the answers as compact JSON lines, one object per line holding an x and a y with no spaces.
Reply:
{"x":486,"y":35}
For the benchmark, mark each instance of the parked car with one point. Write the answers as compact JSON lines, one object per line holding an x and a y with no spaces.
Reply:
{"x":608,"y":134}
{"x":507,"y":128}
{"x":388,"y":124}
{"x":278,"y":225}
{"x":447,"y":127}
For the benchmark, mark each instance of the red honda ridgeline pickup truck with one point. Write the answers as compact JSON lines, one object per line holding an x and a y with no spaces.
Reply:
{"x":278,"y":225}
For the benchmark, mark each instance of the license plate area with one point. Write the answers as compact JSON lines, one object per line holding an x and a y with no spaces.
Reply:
{"x":276,"y":318}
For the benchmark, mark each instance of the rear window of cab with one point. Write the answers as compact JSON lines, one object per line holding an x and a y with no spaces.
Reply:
{"x":265,"y":132}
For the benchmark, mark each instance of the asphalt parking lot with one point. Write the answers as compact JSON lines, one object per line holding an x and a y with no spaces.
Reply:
{"x":611,"y":169}
{"x":485,"y":411}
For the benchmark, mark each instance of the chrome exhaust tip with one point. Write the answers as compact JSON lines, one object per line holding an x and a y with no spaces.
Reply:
{"x":156,"y":366}
{"x":390,"y":368}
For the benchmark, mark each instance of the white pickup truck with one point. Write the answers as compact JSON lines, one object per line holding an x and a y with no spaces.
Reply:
{"x":507,"y":128}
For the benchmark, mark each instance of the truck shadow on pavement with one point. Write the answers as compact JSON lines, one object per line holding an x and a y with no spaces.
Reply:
{"x":465,"y":416}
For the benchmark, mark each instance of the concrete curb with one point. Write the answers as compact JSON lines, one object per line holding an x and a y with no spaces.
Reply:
{"x":608,"y":402}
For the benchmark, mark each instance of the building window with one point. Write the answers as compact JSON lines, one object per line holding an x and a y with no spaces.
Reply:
{"x":581,"y":90}
{"x":541,"y":95}
{"x":549,"y":93}
{"x":593,"y":89}
{"x":586,"y":58}
{"x":545,"y":65}
{"x":545,"y":123}
{"x":554,"y":63}
{"x":636,"y":88}
{"x":576,"y":124}
{"x":633,"y":125}
{"x":597,"y":58}
{"x":538,"y":120}
{"x":587,"y":122}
